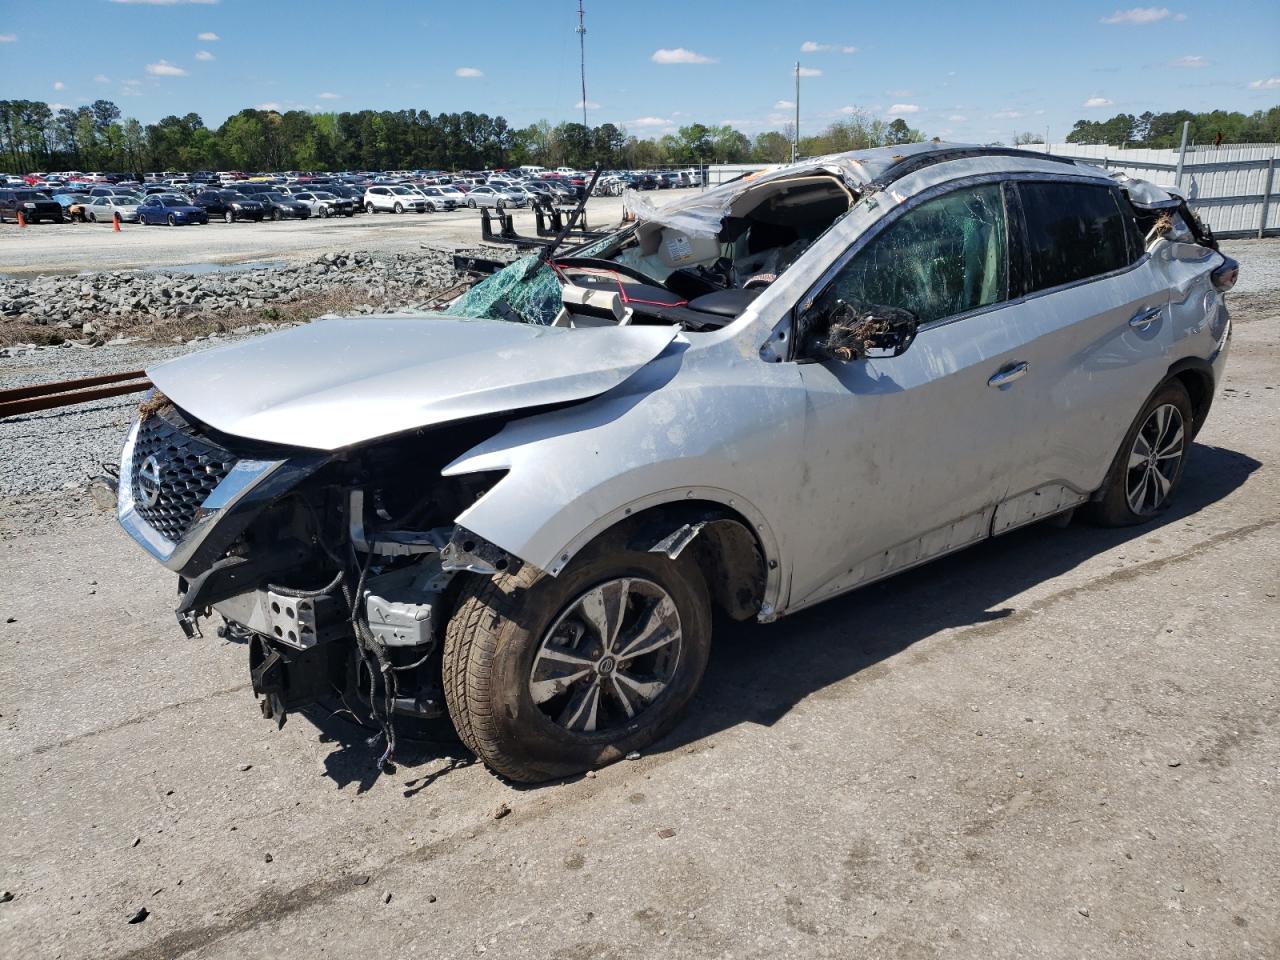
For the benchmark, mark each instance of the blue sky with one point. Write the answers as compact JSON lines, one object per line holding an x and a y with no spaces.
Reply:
{"x":963,"y":71}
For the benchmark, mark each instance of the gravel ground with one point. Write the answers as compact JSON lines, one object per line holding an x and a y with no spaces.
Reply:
{"x":1061,"y":743}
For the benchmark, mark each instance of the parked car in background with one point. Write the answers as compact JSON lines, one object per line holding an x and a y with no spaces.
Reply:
{"x":230,"y":205}
{"x":32,"y":204}
{"x":105,"y":209}
{"x":496,"y":197}
{"x":170,"y":208}
{"x":73,"y":205}
{"x":393,"y":198}
{"x":281,"y":206}
{"x":324,"y":204}
{"x":441,"y":198}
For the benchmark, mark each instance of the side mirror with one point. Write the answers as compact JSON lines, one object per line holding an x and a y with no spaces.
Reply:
{"x":865,"y":331}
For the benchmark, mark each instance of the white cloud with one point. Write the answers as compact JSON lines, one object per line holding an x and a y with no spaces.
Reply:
{"x":328,"y":96}
{"x":1268,"y":84}
{"x":958,"y":118}
{"x":649,"y":122}
{"x":1097,"y":102}
{"x":898,"y":108}
{"x":785,"y":105}
{"x":810,"y":72}
{"x":1008,"y":115}
{"x":810,"y":46}
{"x":8,"y":38}
{"x":588,"y":104}
{"x":59,"y":85}
{"x":205,"y":55}
{"x":208,"y":36}
{"x":57,"y":106}
{"x":850,"y":111}
{"x":898,"y":93}
{"x":680,"y":55}
{"x":1140,"y":15}
{"x":101,"y":78}
{"x":468,"y":72}
{"x":1190,"y":62}
{"x":165,"y":69}
{"x":270,"y":105}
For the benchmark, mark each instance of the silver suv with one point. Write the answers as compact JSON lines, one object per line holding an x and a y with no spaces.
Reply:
{"x":523,"y":511}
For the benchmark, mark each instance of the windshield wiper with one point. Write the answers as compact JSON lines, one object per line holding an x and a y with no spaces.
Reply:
{"x":510,"y":313}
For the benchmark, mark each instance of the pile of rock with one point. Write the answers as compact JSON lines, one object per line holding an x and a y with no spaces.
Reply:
{"x":111,"y":301}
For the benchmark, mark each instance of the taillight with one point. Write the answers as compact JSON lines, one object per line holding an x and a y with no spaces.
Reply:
{"x":1225,"y":276}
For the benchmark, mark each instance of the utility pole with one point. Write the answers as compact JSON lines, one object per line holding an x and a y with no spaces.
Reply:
{"x":582,"y":57}
{"x":795,"y":144}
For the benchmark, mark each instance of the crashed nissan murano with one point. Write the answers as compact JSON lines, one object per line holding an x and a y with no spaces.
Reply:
{"x":526,"y":511}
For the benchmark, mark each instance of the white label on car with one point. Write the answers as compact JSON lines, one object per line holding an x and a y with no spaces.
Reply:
{"x":678,"y":248}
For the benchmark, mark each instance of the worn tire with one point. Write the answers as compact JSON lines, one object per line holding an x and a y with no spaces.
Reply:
{"x":1111,"y":508}
{"x":495,"y":632}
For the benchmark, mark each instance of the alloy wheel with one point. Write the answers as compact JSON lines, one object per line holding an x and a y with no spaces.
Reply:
{"x":1157,"y":452}
{"x":608,"y":657}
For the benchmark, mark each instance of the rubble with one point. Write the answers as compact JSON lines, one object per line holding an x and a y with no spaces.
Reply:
{"x":98,"y":305}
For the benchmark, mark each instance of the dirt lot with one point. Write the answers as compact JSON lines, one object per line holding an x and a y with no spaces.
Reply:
{"x":72,"y":247}
{"x":1062,"y":743}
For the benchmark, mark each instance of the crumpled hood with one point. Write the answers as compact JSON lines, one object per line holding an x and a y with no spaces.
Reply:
{"x":344,"y":380}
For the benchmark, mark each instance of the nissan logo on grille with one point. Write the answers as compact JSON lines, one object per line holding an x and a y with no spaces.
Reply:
{"x":149,"y":481}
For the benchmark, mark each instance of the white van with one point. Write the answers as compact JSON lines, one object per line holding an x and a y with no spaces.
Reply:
{"x":529,"y":170}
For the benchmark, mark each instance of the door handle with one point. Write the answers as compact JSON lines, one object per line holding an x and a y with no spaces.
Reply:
{"x":1007,"y":375}
{"x":1145,"y":317}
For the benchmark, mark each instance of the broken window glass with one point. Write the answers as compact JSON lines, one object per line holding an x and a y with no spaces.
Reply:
{"x":944,"y":257}
{"x":1074,"y":231}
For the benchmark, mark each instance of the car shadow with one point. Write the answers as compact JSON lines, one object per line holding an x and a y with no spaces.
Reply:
{"x":758,"y":672}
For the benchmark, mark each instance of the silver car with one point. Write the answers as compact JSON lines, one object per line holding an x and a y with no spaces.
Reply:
{"x":102,"y":209}
{"x":499,"y":197}
{"x":523,"y":511}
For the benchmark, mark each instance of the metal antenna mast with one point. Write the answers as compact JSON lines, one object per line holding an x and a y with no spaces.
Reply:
{"x":795,"y":144}
{"x":582,"y":54}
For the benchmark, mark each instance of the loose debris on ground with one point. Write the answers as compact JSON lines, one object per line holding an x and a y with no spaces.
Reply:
{"x":93,"y":309}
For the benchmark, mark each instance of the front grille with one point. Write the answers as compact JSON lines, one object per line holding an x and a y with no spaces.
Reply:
{"x":174,"y":470}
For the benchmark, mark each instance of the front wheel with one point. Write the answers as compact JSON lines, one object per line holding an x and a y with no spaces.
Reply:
{"x":1148,"y":467}
{"x":550,"y":676}
{"x":399,"y":208}
{"x":277,"y":216}
{"x":173,"y":221}
{"x":93,"y":218}
{"x":229,"y":216}
{"x":471,"y":204}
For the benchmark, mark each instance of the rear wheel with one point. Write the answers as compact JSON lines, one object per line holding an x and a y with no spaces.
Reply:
{"x":93,"y":218}
{"x":277,"y":216}
{"x":1148,"y":467}
{"x":324,"y":213}
{"x":549,"y":676}
{"x":370,"y":208}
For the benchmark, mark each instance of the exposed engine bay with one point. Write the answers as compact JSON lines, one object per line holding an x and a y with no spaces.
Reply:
{"x":669,"y":271}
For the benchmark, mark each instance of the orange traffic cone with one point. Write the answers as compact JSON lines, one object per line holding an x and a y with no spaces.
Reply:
{"x":115,"y":221}
{"x":22,"y":221}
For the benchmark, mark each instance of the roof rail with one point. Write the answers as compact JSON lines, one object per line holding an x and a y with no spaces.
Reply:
{"x":918,"y":161}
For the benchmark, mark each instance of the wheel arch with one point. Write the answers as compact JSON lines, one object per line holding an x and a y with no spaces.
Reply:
{"x":1196,"y":375}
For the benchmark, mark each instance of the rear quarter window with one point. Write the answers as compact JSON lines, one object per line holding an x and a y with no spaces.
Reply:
{"x":1074,"y":231}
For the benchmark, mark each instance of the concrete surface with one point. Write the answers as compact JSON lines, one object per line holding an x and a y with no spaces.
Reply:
{"x":72,"y":247}
{"x":1062,"y":743}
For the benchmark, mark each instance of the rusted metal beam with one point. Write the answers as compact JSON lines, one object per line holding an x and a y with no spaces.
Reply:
{"x":33,"y":404}
{"x":63,"y":386}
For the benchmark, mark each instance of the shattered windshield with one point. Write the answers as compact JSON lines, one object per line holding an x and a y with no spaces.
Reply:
{"x":526,"y":291}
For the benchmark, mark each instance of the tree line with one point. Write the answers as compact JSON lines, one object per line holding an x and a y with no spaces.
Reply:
{"x":35,"y":137}
{"x":1164,"y":130}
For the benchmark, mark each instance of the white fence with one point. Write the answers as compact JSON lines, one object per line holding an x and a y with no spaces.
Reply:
{"x":1232,"y":188}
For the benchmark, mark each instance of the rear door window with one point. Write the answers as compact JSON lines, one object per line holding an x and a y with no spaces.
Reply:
{"x":1074,"y":231}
